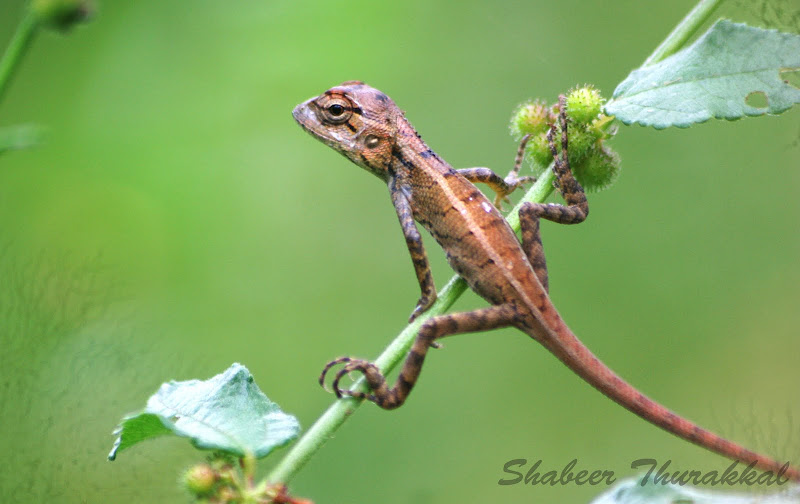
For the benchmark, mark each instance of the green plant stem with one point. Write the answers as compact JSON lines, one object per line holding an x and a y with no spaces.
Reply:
{"x":16,"y":48}
{"x":684,"y":31}
{"x":340,"y":410}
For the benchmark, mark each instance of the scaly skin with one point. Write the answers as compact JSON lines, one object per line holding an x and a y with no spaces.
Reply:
{"x":367,"y":127}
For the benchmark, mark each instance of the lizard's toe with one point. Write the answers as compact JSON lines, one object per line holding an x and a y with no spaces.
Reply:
{"x":328,"y":367}
{"x":345,"y":371}
{"x":423,"y":304}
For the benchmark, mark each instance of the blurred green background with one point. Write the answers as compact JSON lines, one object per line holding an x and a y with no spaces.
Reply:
{"x":177,"y":220}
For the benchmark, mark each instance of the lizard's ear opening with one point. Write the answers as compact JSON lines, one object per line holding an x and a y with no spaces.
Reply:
{"x":371,"y":141}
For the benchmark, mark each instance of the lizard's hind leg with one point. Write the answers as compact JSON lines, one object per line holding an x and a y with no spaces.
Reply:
{"x":532,"y":243}
{"x":576,"y":210}
{"x":483,"y":319}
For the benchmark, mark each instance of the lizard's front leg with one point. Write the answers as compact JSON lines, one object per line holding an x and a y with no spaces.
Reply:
{"x":501,"y":186}
{"x":415,"y":249}
{"x":493,"y":317}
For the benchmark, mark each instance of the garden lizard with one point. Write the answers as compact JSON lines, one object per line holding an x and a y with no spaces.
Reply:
{"x":368,"y":128}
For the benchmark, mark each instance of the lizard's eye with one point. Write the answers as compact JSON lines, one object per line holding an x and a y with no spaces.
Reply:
{"x":337,"y":111}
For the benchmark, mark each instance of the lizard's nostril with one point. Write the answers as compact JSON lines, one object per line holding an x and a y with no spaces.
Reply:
{"x":303,"y":110}
{"x":300,"y":112}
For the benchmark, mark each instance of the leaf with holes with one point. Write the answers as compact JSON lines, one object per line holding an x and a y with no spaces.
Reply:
{"x":227,"y":412}
{"x":733,"y":70}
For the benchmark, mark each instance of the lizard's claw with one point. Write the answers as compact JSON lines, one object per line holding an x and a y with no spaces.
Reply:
{"x":345,"y":371}
{"x":370,"y":371}
{"x":513,"y":182}
{"x":423,"y":304}
{"x":500,"y":199}
{"x":327,"y":368}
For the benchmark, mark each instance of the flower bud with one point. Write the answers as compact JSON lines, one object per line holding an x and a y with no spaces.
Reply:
{"x":62,"y":14}
{"x":200,"y":479}
{"x":598,"y":170}
{"x":583,"y":104}
{"x":539,"y":150}
{"x":581,"y":142}
{"x":530,"y":118}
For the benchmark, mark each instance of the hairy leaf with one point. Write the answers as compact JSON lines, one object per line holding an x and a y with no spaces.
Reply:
{"x":631,"y":491}
{"x":227,"y":412}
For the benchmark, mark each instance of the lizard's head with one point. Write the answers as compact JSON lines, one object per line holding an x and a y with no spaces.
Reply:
{"x":357,"y":120}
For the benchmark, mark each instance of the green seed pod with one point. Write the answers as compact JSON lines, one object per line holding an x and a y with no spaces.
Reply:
{"x":582,"y":141}
{"x":598,"y":170}
{"x":539,"y":151}
{"x":228,"y":495}
{"x":583,"y":104}
{"x":200,"y":479}
{"x":530,"y":118}
{"x":62,"y":14}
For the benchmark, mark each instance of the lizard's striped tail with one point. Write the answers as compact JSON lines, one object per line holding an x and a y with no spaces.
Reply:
{"x":572,"y":352}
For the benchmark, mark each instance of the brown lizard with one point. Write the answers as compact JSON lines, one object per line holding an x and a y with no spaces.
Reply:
{"x":369,"y":129}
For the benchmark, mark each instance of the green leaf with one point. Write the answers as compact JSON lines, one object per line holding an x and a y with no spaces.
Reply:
{"x":631,"y":491}
{"x":731,"y":71}
{"x":20,"y":137}
{"x":227,"y":412}
{"x":135,"y":429}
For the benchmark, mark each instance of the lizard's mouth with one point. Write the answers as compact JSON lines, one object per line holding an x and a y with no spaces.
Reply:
{"x":305,"y":117}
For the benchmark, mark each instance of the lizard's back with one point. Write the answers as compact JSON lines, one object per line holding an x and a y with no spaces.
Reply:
{"x":480,"y":245}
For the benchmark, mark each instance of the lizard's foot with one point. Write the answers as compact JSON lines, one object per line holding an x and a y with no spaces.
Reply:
{"x":328,"y":367}
{"x":512,"y":182}
{"x":372,"y":374}
{"x":423,"y":304}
